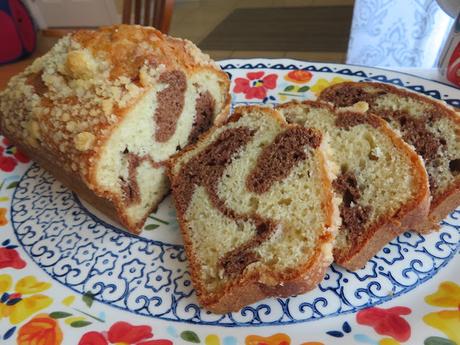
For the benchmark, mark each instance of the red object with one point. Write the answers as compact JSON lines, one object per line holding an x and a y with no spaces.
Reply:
{"x":7,"y":163}
{"x":93,"y":338}
{"x":453,"y":67}
{"x":299,"y":76}
{"x":256,"y":85}
{"x":10,"y":156}
{"x":125,"y":333}
{"x":21,"y":157}
{"x":17,"y":32}
{"x":10,"y":258}
{"x":387,"y":321}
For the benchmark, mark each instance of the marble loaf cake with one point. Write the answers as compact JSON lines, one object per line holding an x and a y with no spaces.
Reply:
{"x":430,"y":126}
{"x":103,"y":110}
{"x":256,"y":209}
{"x":381,"y":180}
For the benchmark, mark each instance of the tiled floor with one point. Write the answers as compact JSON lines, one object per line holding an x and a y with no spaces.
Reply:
{"x":196,"y":19}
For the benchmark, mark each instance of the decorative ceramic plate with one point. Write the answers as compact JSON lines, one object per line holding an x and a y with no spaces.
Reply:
{"x":69,"y":275}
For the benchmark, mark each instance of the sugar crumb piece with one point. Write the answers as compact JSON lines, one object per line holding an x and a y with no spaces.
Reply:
{"x":144,"y":78}
{"x":84,"y":141}
{"x":62,"y":147}
{"x":107,"y":106}
{"x":32,"y":133}
{"x":80,"y":64}
{"x":71,"y":126}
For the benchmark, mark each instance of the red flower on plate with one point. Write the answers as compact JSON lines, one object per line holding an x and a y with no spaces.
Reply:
{"x":255,"y":85}
{"x":298,"y":76}
{"x":10,"y":156}
{"x":124,"y":333}
{"x":10,"y":258}
{"x":41,"y":329}
{"x":386,"y":321}
{"x":7,"y":163}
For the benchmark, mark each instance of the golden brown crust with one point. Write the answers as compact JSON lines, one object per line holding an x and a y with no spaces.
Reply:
{"x":70,"y":101}
{"x":413,"y":215}
{"x":256,"y":285}
{"x":444,"y":202}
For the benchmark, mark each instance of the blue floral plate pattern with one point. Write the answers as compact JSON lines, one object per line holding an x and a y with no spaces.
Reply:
{"x":50,"y":234}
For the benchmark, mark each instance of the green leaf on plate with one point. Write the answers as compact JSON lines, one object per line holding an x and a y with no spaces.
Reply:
{"x":438,"y":341}
{"x":303,"y":89}
{"x":151,"y":227}
{"x":12,"y":185}
{"x":159,"y":220}
{"x":78,"y":324}
{"x":59,"y":314}
{"x":88,"y":298}
{"x":289,"y":88}
{"x":190,"y":336}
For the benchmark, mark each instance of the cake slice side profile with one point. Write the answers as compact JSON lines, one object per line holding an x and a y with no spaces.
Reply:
{"x":248,"y":232}
{"x":103,"y":110}
{"x":381,"y":181}
{"x":429,"y":125}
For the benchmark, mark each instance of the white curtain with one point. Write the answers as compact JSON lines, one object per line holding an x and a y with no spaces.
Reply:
{"x":406,"y":33}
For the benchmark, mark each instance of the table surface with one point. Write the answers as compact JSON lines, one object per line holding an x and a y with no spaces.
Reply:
{"x":9,"y":70}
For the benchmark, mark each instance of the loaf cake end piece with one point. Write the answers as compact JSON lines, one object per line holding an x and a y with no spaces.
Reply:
{"x":107,"y":108}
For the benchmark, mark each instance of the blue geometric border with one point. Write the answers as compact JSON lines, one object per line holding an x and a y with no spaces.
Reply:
{"x":345,"y":70}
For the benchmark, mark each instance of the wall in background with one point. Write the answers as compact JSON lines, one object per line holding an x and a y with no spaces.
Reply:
{"x":119,"y":6}
{"x":73,"y":13}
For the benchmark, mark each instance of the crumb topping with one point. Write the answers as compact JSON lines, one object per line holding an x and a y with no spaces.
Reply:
{"x":83,"y":86}
{"x":84,"y":141}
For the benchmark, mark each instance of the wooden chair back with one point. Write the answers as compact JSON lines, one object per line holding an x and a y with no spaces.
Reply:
{"x":156,"y":13}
